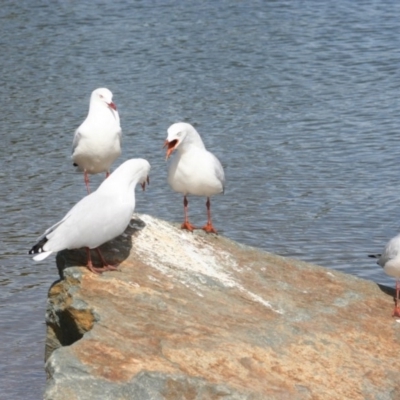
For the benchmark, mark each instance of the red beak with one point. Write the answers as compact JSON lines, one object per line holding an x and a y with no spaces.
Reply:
{"x":113,"y":106}
{"x":171,"y":147}
{"x":144,"y":183}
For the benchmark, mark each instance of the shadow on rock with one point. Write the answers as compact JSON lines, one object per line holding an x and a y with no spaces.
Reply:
{"x":387,"y":290}
{"x":114,"y":252}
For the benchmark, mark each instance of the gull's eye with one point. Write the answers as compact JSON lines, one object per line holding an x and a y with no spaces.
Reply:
{"x":179,"y":134}
{"x":101,"y":96}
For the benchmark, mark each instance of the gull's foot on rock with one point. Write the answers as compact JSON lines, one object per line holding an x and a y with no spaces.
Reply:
{"x":209,"y":228}
{"x":188,"y":226}
{"x":396,"y":312}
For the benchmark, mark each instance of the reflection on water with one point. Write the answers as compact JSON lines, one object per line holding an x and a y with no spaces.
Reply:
{"x":300,"y":103}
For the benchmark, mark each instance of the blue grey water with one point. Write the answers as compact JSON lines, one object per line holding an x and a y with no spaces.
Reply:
{"x":299,"y":100}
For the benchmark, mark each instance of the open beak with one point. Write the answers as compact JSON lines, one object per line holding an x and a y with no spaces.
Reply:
{"x":143,"y":184}
{"x":171,"y":146}
{"x":113,"y":106}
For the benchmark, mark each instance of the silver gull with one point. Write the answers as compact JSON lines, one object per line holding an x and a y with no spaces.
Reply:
{"x":389,"y":260}
{"x":194,"y":170}
{"x":97,"y":218}
{"x":97,"y":141}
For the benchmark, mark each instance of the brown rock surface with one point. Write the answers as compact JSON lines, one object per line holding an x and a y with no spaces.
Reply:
{"x":195,"y":316}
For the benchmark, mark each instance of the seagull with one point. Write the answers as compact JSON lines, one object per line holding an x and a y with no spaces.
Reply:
{"x":389,"y":260}
{"x":97,"y":141}
{"x":97,"y":218}
{"x":194,"y":170}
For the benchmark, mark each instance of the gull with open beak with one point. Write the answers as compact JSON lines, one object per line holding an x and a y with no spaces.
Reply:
{"x":97,"y":141}
{"x":193,"y":170}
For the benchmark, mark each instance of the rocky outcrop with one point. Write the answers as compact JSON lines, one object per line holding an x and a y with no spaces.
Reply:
{"x":195,"y":316}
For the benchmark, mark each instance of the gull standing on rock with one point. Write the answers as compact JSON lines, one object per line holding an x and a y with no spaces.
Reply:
{"x":97,"y":218}
{"x":389,"y":260}
{"x":97,"y":142}
{"x":194,"y":170}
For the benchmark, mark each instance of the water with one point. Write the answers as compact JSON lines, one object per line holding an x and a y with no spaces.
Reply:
{"x":299,"y":101}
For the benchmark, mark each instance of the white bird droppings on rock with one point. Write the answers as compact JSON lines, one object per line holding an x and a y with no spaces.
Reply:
{"x":184,"y":255}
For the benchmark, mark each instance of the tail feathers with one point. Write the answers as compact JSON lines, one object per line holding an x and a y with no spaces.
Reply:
{"x":38,"y":249}
{"x":374,"y":255}
{"x":42,"y":256}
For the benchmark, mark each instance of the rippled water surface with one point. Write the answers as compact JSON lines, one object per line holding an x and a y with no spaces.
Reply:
{"x":299,"y":101}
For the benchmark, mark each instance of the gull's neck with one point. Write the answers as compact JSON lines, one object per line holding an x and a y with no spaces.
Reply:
{"x":191,"y":140}
{"x":100,"y":110}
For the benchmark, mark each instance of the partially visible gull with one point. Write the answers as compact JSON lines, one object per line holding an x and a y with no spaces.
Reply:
{"x":389,"y":260}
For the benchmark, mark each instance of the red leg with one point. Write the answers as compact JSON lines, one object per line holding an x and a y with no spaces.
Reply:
{"x":106,"y":266}
{"x":86,"y":177}
{"x":186,"y":224}
{"x":396,"y":311}
{"x":209,"y":226}
{"x":107,"y":174}
{"x":89,"y":264}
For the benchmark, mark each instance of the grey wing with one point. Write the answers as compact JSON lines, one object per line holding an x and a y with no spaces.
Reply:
{"x":78,"y":205}
{"x":75,"y":142}
{"x":70,"y":223}
{"x":219,"y":172}
{"x":120,"y":135}
{"x":52,"y":228}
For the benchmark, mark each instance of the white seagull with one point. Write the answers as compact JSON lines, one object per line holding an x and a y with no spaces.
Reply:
{"x":389,"y":260}
{"x":97,"y":218}
{"x":97,"y":141}
{"x":194,"y":170}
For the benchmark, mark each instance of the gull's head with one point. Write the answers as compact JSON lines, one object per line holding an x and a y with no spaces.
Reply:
{"x":103,"y":96}
{"x":143,"y":169}
{"x":140,"y":169}
{"x":177,"y":133}
{"x":127,"y":176}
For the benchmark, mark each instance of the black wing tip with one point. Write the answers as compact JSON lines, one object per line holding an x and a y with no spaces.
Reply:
{"x":374,"y":255}
{"x":38,"y":247}
{"x":75,"y":164}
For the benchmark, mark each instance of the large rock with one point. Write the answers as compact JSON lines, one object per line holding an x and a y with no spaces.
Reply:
{"x":195,"y":316}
